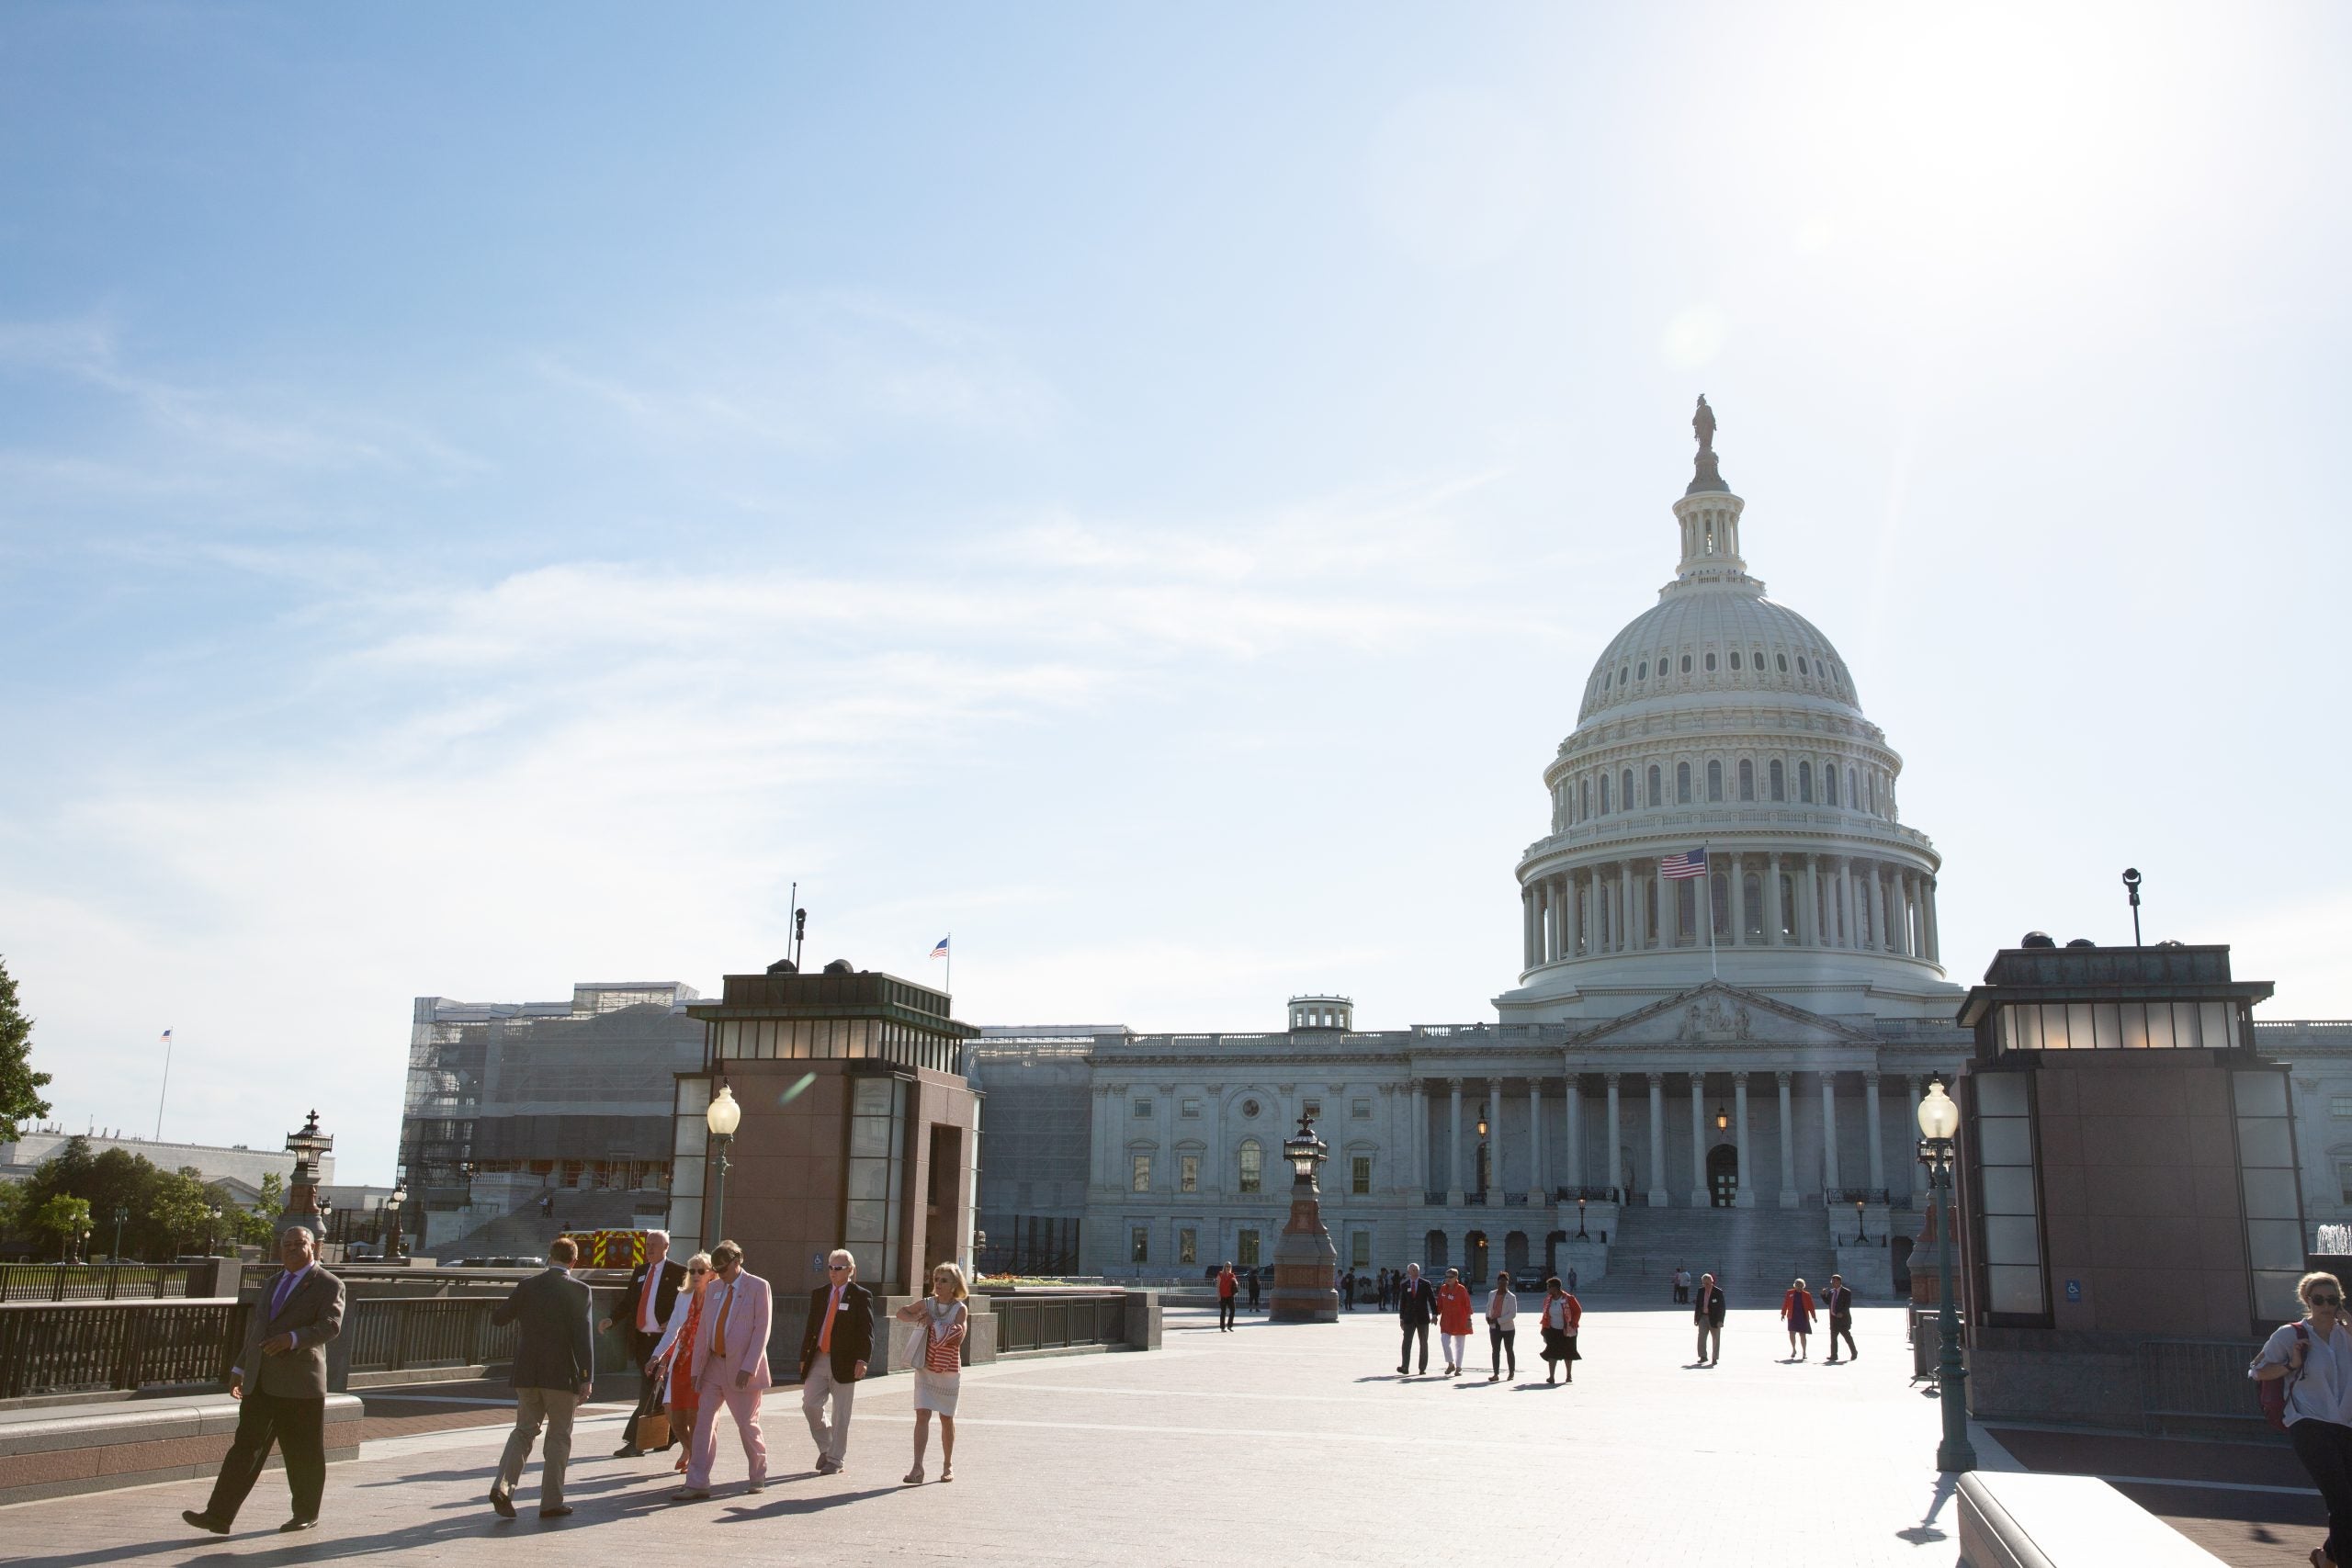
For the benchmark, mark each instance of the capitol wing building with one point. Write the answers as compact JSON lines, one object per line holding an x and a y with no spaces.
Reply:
{"x":1730,"y":998}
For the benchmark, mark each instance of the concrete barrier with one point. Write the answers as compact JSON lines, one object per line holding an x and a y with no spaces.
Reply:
{"x":2017,"y":1520}
{"x":59,"y":1453}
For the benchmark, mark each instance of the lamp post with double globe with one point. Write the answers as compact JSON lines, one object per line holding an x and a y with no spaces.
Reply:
{"x":723,"y":1117}
{"x":1939,"y":1126}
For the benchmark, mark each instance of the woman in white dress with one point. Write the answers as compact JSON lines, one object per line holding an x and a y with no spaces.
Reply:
{"x":941,"y":1319}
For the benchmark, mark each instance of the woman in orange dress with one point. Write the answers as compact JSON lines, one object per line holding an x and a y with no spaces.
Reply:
{"x":1453,"y":1320}
{"x":675,"y":1357}
{"x":1797,"y":1308}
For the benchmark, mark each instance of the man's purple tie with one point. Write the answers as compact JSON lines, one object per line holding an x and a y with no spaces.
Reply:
{"x":278,"y":1298}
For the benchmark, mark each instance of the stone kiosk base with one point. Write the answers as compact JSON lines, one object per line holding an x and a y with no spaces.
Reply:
{"x":54,"y":1451}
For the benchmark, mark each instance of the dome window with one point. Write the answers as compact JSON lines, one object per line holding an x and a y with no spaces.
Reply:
{"x":1714,"y":780}
{"x":1658,"y":790}
{"x":1604,"y":795}
{"x":1681,"y":783}
{"x":1642,"y":670}
{"x":1626,"y":795}
{"x":1710,"y":664}
{"x":1801,"y":669}
{"x":1747,"y":779}
{"x":1622,"y":673}
{"x":1735,"y":658}
{"x":1829,"y":784}
{"x":1686,"y":664}
{"x":1605,"y":680}
{"x":1779,"y":780}
{"x":1805,"y":783}
{"x":1783,"y":660}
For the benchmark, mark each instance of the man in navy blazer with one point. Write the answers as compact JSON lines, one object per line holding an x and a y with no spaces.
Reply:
{"x":281,"y":1379}
{"x":1416,"y":1308}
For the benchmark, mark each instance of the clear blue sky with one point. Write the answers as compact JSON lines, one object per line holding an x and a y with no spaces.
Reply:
{"x":489,"y":497}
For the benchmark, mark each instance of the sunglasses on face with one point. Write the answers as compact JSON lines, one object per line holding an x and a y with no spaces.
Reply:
{"x":697,"y":1270}
{"x":2319,"y":1300}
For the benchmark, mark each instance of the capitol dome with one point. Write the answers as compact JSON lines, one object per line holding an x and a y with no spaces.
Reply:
{"x":1720,"y":745}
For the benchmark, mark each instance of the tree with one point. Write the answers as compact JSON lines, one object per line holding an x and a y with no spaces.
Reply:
{"x":20,"y":1087}
{"x":68,"y":1219}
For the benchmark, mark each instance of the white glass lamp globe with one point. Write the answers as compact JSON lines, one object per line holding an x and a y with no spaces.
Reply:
{"x":1939,"y":1117}
{"x":724,"y":1114}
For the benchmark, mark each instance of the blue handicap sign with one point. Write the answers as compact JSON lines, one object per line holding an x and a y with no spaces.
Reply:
{"x":2074,"y":1290}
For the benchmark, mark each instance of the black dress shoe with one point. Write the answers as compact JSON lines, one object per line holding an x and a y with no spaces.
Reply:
{"x":296,"y":1527}
{"x":499,"y":1500}
{"x":629,"y":1451}
{"x":205,"y":1521}
{"x":559,"y":1511}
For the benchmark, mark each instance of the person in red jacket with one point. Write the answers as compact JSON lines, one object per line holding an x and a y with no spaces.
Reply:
{"x":1453,"y":1320}
{"x":1796,"y":1307}
{"x":1228,"y":1285}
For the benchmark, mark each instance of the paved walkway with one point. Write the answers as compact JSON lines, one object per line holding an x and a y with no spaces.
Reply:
{"x":1296,"y":1442}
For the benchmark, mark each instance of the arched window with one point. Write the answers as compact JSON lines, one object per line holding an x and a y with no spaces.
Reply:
{"x":1751,"y":900}
{"x":1604,"y":795}
{"x":1829,"y":783}
{"x":1853,"y":791}
{"x":1805,"y":783}
{"x":1686,"y":664}
{"x":1873,"y":777}
{"x":1783,"y":661}
{"x":1747,"y":779}
{"x":1584,"y":794}
{"x":1642,"y":670}
{"x":1788,"y":908}
{"x":1253,"y":1164}
{"x":1719,"y":896}
{"x":1711,"y":663}
{"x":1778,"y":780}
{"x":1735,"y":658}
{"x":1625,"y":793}
{"x":1714,"y":780}
{"x":1657,"y":786}
{"x":1801,"y":668}
{"x":1681,"y":783}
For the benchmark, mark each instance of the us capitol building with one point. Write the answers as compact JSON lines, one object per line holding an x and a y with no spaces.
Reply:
{"x":1731,"y":995}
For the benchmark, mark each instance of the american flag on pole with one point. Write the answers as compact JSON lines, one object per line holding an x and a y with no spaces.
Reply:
{"x":940,"y":951}
{"x":1690,"y":863}
{"x":167,"y":1037}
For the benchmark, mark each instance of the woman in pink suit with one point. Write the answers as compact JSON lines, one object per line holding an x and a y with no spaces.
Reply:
{"x":731,"y":1370}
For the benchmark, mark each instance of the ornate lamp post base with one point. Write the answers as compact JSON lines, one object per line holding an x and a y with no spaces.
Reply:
{"x":1305,"y":1257}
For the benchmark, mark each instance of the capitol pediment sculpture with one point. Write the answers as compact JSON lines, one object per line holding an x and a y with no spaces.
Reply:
{"x":1719,"y":1015}
{"x":1716,"y":1018}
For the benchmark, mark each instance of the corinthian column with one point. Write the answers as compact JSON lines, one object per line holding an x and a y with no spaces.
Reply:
{"x":1745,"y":1196}
{"x":1698,"y":1140}
{"x":1535,"y":1184}
{"x":1830,"y":1171}
{"x":1773,"y":923}
{"x":1575,"y":1129}
{"x":1453,"y":1147}
{"x":1788,"y":1148}
{"x":1616,"y":1152}
{"x":1657,"y":1140}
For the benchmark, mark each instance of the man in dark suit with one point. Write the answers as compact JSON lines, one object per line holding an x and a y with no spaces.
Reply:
{"x":1256,"y":1276}
{"x":281,"y":1379}
{"x":1707,"y":1312}
{"x":1416,"y":1307}
{"x":834,"y":1349}
{"x":1838,"y":1302}
{"x":643,"y":1311}
{"x":555,"y":1372}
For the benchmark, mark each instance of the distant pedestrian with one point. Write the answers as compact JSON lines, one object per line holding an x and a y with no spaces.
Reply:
{"x":1351,"y":1290}
{"x":1387,"y":1288}
{"x":938,"y":1354}
{"x":1707,"y":1312}
{"x":2314,"y":1355}
{"x":731,"y":1369}
{"x":675,"y":1360}
{"x":1562,"y":1314}
{"x":1502,"y":1329}
{"x":547,"y":1205}
{"x":1254,"y":1276}
{"x":1453,"y":1320}
{"x":1572,"y":1281}
{"x":1837,"y":1302}
{"x":1681,"y":1285}
{"x":280,"y":1384}
{"x":835,"y":1349}
{"x":1227,"y":1288}
{"x":1796,"y":1310}
{"x":555,"y":1372}
{"x":1416,"y":1306}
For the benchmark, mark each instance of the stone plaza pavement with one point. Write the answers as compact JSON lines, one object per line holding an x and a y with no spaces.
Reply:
{"x":1297,"y":1444}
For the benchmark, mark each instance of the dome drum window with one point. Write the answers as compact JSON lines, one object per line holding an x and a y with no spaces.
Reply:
{"x":1710,"y":664}
{"x":1681,"y":783}
{"x":1714,"y":782}
{"x":1686,"y":664}
{"x":1642,"y":670}
{"x":1747,"y":779}
{"x":1735,"y":658}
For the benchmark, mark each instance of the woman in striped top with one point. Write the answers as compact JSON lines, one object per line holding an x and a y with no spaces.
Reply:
{"x":938,"y":1350}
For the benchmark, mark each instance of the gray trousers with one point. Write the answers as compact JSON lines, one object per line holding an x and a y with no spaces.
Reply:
{"x":532,"y":1407}
{"x":833,"y":1441}
{"x":1711,"y":1334}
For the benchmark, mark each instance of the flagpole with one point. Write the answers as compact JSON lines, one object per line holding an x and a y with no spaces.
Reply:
{"x":167,"y":1086}
{"x":951,"y":964}
{"x":1709,"y":851}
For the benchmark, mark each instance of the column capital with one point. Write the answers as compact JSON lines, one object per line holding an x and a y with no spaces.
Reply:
{"x":1739,"y":1079}
{"x":1612,"y":1077}
{"x":1658,"y":1080}
{"x":1869,"y":1077}
{"x":1454,"y":1084}
{"x":1785,"y":1076}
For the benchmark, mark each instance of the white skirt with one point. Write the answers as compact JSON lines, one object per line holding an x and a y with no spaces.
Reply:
{"x":938,"y":1391}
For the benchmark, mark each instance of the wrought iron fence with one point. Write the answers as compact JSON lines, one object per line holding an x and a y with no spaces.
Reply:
{"x":94,"y":1281}
{"x":95,"y":1347}
{"x":1058,"y":1322}
{"x":2200,"y":1377}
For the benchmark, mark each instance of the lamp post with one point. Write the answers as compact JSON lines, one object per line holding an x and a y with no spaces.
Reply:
{"x":1581,"y":1232}
{"x":121,"y":1215}
{"x":723,"y":1117}
{"x":1939,"y":1126}
{"x":393,"y":1206}
{"x":1857,"y":1221}
{"x":1482,"y":1151}
{"x":2132,"y":887}
{"x":212,"y":1226}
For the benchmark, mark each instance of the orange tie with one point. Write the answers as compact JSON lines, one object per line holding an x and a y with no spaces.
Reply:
{"x":825,"y":1334}
{"x":726,"y":1300}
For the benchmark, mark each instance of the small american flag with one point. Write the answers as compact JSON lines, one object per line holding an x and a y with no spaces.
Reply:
{"x":940,"y":951}
{"x":1690,"y":863}
{"x":167,"y":1037}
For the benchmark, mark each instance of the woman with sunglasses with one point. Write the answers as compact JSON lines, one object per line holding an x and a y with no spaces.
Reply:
{"x":2315,"y":1358}
{"x":941,"y":1319}
{"x":685,"y":1318}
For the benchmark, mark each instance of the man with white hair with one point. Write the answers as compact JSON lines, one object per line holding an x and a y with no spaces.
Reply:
{"x":835,"y":1350}
{"x":644,"y":1310}
{"x":281,"y":1379}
